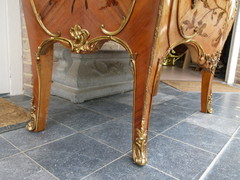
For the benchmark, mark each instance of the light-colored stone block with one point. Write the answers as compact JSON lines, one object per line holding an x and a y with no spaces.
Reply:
{"x":80,"y":77}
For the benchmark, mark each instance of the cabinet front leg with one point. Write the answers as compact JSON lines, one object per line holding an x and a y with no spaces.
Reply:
{"x":143,"y":91}
{"x":42,"y":77}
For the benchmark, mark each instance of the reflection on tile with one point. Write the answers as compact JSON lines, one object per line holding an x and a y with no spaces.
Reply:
{"x":170,"y":91}
{"x":237,"y":135}
{"x":6,"y":149}
{"x":229,"y":100}
{"x":124,"y":169}
{"x":227,"y":166}
{"x":80,"y":119}
{"x":24,"y":139}
{"x":217,"y":123}
{"x":177,"y":159}
{"x":201,"y":137}
{"x":110,"y":108}
{"x":227,"y":112}
{"x":186,"y":102}
{"x":175,"y":112}
{"x":192,"y":96}
{"x":116,"y":134}
{"x":21,"y":167}
{"x":73,"y":157}
{"x":125,"y":98}
{"x":161,"y":98}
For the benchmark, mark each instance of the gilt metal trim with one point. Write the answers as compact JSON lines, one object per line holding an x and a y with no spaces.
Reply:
{"x":31,"y":125}
{"x":79,"y":44}
{"x":140,"y":146}
{"x":209,"y":104}
{"x":211,"y":61}
{"x":123,"y":24}
{"x":39,"y":19}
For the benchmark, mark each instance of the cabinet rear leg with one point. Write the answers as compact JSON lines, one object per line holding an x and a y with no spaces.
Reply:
{"x":206,"y":94}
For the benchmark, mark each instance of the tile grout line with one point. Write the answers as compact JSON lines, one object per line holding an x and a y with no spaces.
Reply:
{"x":41,"y":166}
{"x":104,"y":143}
{"x":62,"y":124}
{"x":11,"y":143}
{"x":173,"y":125}
{"x":22,"y":152}
{"x":188,"y":144}
{"x":11,"y":156}
{"x":162,"y":171}
{"x":88,"y":108}
{"x":209,"y":168}
{"x":95,"y":126}
{"x":102,"y":167}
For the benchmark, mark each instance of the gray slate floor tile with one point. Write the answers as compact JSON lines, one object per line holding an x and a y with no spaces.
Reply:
{"x":6,"y":149}
{"x":24,"y":139}
{"x":12,"y":127}
{"x":110,"y":108}
{"x":21,"y":167}
{"x":161,"y":122}
{"x":227,"y":112}
{"x":227,"y":166}
{"x":170,"y":91}
{"x":237,"y":135}
{"x":211,"y":141}
{"x":173,"y":111}
{"x":177,"y":159}
{"x":116,"y":134}
{"x":4,"y":95}
{"x":125,"y":169}
{"x":186,"y":102}
{"x":73,"y":157}
{"x":229,"y":100}
{"x":80,"y":119}
{"x":58,"y":105}
{"x":161,"y":98}
{"x":127,"y":98}
{"x":217,"y":123}
{"x":18,"y":99}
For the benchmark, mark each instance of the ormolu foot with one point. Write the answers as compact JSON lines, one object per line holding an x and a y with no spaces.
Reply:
{"x":140,"y":147}
{"x":31,"y":125}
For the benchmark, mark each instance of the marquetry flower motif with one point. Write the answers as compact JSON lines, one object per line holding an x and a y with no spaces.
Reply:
{"x":109,"y":3}
{"x":216,"y":12}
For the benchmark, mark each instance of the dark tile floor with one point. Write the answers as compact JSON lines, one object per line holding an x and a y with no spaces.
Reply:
{"x":93,"y":140}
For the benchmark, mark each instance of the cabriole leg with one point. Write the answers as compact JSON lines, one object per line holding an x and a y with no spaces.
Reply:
{"x":41,"y":91}
{"x":206,"y":95}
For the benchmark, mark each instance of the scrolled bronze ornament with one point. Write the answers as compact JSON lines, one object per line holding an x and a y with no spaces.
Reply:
{"x":39,"y":19}
{"x":31,"y":125}
{"x":140,"y":145}
{"x":123,"y":24}
{"x":209,"y":104}
{"x":211,"y":61}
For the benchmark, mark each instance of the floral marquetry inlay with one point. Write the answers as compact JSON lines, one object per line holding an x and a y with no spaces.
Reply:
{"x":215,"y":12}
